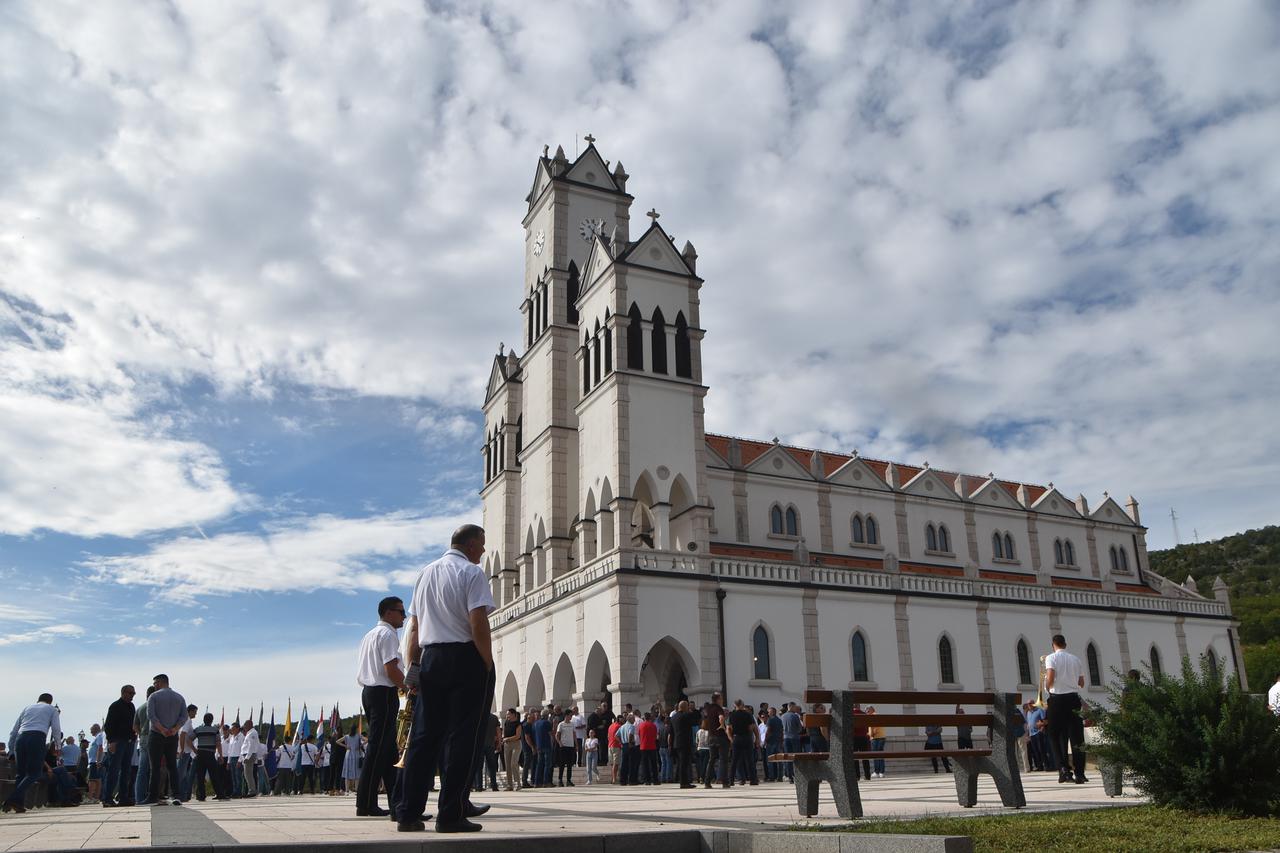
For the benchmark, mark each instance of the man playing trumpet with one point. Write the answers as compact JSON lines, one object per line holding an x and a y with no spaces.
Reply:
{"x":380,"y":676}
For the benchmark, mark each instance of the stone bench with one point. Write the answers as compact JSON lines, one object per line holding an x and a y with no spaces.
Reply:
{"x":839,"y":767}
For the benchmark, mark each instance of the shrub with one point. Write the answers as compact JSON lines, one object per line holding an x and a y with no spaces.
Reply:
{"x":1193,"y":743}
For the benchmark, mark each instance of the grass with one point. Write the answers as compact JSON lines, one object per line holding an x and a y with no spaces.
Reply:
{"x":1135,"y":829}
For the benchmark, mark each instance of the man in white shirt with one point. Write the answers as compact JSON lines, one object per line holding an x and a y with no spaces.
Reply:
{"x":97,"y":752}
{"x":579,"y":735}
{"x":379,"y":674}
{"x":249,"y":742}
{"x":285,"y":754}
{"x":307,"y":753}
{"x":1064,"y":679}
{"x":27,"y":740}
{"x":450,"y":621}
{"x":1273,"y":697}
{"x":233,"y":761}
{"x":187,"y":755}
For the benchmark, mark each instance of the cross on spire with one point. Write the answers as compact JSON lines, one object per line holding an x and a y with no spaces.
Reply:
{"x":653,"y":214}
{"x":591,"y":140}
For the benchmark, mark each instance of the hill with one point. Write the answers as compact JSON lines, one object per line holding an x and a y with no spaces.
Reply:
{"x":1250,"y":564}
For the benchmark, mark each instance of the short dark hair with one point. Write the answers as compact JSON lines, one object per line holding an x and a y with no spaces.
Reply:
{"x":388,"y":603}
{"x":465,"y":535}
{"x":151,"y":689}
{"x":162,"y":678}
{"x":191,"y":708}
{"x":208,"y":719}
{"x":47,"y":698}
{"x":1059,"y":640}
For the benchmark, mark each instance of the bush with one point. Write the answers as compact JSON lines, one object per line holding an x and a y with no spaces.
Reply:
{"x":1195,"y":744}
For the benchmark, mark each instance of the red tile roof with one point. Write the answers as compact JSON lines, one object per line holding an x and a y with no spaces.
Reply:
{"x":831,"y":462}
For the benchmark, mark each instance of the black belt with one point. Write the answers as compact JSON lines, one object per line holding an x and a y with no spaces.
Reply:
{"x":446,"y":645}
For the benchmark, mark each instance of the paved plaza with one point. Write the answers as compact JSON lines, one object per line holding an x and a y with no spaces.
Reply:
{"x":599,"y":809}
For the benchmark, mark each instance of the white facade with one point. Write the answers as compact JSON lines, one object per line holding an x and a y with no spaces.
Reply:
{"x":635,"y":557}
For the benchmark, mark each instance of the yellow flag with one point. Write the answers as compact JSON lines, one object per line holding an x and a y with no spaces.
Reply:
{"x":288,"y":721}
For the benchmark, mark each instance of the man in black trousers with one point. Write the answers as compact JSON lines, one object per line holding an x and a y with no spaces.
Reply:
{"x":450,"y":622}
{"x":683,"y":726}
{"x":381,"y":679}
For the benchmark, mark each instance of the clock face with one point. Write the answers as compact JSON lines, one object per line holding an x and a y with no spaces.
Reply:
{"x":590,"y":227}
{"x":539,"y":242}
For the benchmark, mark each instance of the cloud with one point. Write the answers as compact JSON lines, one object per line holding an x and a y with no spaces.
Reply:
{"x":46,"y":633}
{"x":291,"y":555}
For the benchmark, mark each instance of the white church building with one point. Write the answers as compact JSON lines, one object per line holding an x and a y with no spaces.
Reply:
{"x":637,"y":558}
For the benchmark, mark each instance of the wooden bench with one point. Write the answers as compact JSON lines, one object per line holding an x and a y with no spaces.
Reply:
{"x":839,"y":767}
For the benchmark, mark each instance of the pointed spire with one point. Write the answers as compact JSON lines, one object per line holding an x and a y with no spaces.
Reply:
{"x":891,"y":475}
{"x":1023,"y":497}
{"x":1131,"y":506}
{"x":1082,"y":504}
{"x":616,"y":244}
{"x":620,"y":176}
{"x":559,"y":163}
{"x":1190,"y":584}
{"x":815,"y":465}
{"x":959,"y":486}
{"x":1220,"y":590}
{"x":735,"y":453}
{"x":690,"y":256}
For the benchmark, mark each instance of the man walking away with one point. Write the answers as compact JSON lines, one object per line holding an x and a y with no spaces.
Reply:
{"x":1064,"y":678}
{"x":208,"y":747}
{"x":566,"y":751}
{"x":166,"y":712}
{"x":683,"y":726}
{"x":33,"y":725}
{"x":118,"y":728}
{"x":186,"y":755}
{"x":718,"y":740}
{"x":792,"y":728}
{"x":543,"y":748}
{"x":741,"y":727}
{"x":142,"y":756}
{"x":647,"y":742}
{"x":933,"y":740}
{"x":451,"y":607}
{"x":381,"y":678}
{"x":97,"y":751}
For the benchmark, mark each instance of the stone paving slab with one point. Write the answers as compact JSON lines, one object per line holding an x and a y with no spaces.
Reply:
{"x":616,"y":813}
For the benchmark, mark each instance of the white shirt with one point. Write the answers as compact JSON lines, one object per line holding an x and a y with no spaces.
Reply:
{"x":378,"y":648}
{"x":1273,"y":698}
{"x":322,"y":759}
{"x":284,"y":756}
{"x":237,"y":745}
{"x":444,"y":596}
{"x":308,"y":753}
{"x":564,"y":733}
{"x":579,"y":726}
{"x":1067,"y":672}
{"x":41,"y":717}
{"x":96,"y":747}
{"x":189,"y":728}
{"x":249,"y":745}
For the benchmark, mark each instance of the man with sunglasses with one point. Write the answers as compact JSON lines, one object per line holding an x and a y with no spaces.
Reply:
{"x":379,"y":674}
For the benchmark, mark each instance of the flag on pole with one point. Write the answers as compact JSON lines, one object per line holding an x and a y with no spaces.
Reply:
{"x":262,"y":718}
{"x":288,"y":720}
{"x":271,"y":746}
{"x":304,"y":727}
{"x":237,"y":722}
{"x":222,"y":722}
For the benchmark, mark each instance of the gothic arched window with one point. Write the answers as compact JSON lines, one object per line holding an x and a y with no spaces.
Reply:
{"x":586,"y":365}
{"x":595,"y":355}
{"x":944,"y":539}
{"x":502,"y":448}
{"x":1024,"y":663}
{"x":1059,"y":556}
{"x":1008,"y":547}
{"x":571,"y":293}
{"x":1156,"y":668}
{"x":861,"y":672}
{"x":793,"y":522}
{"x":946,"y":661}
{"x":684,"y":351}
{"x":608,"y":345}
{"x":1124,"y":559}
{"x":658,"y":337}
{"x":519,"y":436}
{"x":775,"y":520}
{"x":1095,"y":668}
{"x":546,"y":315}
{"x":1070,"y":551}
{"x":1211,"y":662}
{"x":873,"y":532}
{"x":761,"y":668}
{"x":635,"y":339}
{"x":997,"y":547}
{"x":930,"y":538}
{"x":1115,"y":561}
{"x":855,"y":529}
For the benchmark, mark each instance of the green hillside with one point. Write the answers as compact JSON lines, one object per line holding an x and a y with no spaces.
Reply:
{"x":1250,"y":564}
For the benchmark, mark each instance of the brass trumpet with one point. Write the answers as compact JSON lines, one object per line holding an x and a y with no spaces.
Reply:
{"x":1040,"y":700}
{"x":404,"y":728}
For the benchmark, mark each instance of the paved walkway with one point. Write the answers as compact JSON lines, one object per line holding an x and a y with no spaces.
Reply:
{"x":599,"y":809}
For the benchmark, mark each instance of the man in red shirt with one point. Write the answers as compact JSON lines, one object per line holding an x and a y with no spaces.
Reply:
{"x":615,"y":749}
{"x":647,"y":735}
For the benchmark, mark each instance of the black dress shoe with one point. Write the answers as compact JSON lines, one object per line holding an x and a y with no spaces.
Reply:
{"x":410,"y":826}
{"x":424,"y":817}
{"x":1080,"y":780}
{"x":374,"y":812}
{"x":462,"y":825}
{"x":473,"y":810}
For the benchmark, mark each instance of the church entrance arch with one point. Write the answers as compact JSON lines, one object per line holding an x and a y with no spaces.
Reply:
{"x":564,"y":684}
{"x":667,"y":671}
{"x":644,"y":525}
{"x":535,"y":694}
{"x":510,"y":693}
{"x":596,"y":678}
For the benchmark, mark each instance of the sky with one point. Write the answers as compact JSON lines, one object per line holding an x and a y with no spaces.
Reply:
{"x":255,"y":260}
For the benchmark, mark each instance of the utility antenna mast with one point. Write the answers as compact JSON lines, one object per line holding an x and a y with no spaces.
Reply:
{"x":1174,"y":516}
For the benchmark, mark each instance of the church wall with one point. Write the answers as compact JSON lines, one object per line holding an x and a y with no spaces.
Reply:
{"x":1009,"y":623}
{"x":582,"y":206}
{"x":1049,"y":528}
{"x":660,"y":434}
{"x":650,"y":290}
{"x":724,"y":523}
{"x":763,"y":492}
{"x":1106,"y":537}
{"x":747,"y":606}
{"x":920,"y":512}
{"x":929,"y":619}
{"x":839,"y":614}
{"x":988,"y":520}
{"x":845,"y":502}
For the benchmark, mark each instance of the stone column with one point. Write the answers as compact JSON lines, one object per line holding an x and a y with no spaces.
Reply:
{"x":525,"y":568}
{"x":557,"y":551}
{"x":661,"y":527}
{"x":906,"y":677}
{"x":671,"y":349}
{"x":812,"y":646}
{"x":647,"y":339}
{"x":606,"y":537}
{"x":984,"y":647}
{"x":587,"y":541}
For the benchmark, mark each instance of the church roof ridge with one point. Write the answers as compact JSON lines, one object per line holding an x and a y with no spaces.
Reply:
{"x":753,"y":449}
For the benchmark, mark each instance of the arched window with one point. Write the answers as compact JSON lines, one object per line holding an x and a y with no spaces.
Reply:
{"x":546,"y":315}
{"x":529,"y":324}
{"x":586,"y":365}
{"x":1008,"y":547}
{"x":793,"y":522}
{"x":1024,"y":663}
{"x":595,"y":355}
{"x":571,"y":293}
{"x":1124,"y":559}
{"x":997,"y":546}
{"x":944,"y":539}
{"x":658,"y":342}
{"x":775,"y":519}
{"x":946,"y":661}
{"x":761,"y":668}
{"x":684,"y":352}
{"x":861,"y":672}
{"x":855,"y":529}
{"x":930,"y":538}
{"x":873,"y":532}
{"x":1211,"y":661}
{"x":1115,"y":561}
{"x":1095,"y":668}
{"x":608,"y":345}
{"x":635,"y":339}
{"x":488,"y":464}
{"x":519,"y":436}
{"x":501,"y":462}
{"x":1070,"y":552}
{"x":1156,"y":668}
{"x":1058,"y":556}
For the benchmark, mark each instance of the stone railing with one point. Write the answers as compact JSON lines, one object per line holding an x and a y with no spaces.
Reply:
{"x":679,"y":562}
